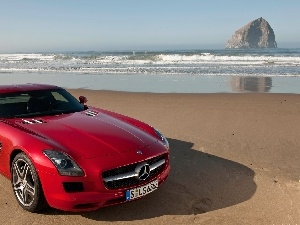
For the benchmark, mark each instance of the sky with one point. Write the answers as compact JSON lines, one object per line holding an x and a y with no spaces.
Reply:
{"x":119,"y":25}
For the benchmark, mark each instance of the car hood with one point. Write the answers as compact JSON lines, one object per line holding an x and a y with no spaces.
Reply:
{"x":88,"y":134}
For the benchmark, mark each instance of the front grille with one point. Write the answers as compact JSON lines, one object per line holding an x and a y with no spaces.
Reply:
{"x":130,"y":181}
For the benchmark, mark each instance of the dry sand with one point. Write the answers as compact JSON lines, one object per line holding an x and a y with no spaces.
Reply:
{"x":235,"y":160}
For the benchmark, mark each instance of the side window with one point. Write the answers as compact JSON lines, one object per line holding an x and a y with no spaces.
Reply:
{"x":13,"y":104}
{"x":14,"y":98}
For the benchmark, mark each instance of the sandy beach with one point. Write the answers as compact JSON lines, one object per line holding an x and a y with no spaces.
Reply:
{"x":234,"y":157}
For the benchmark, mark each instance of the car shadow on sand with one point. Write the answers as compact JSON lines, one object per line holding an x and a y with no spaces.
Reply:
{"x":198,"y":183}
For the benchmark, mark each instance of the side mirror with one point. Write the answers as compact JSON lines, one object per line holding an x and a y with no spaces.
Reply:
{"x":83,"y":100}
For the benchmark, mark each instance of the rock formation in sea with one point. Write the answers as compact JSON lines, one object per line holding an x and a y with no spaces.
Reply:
{"x":256,"y":34}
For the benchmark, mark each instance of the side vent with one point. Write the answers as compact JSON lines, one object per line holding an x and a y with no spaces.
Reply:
{"x":32,"y":121}
{"x":0,"y":146}
{"x":91,"y":113}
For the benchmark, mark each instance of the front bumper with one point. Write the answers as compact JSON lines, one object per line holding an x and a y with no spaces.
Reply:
{"x":92,"y":193}
{"x":89,"y":199}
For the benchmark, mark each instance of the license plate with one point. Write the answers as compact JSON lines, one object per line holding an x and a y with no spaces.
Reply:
{"x":141,"y":191}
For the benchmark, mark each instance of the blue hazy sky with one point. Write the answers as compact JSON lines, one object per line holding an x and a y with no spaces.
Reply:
{"x":96,"y":25}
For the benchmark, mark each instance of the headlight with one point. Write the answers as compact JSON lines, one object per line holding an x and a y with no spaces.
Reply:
{"x":63,"y":163}
{"x":162,"y":138}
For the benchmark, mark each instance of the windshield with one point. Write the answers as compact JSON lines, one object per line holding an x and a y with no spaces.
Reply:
{"x":38,"y":103}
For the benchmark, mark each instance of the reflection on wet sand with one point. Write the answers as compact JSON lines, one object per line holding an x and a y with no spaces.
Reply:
{"x":253,"y":84}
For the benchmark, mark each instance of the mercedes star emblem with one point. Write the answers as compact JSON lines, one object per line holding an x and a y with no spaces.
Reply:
{"x":142,"y":171}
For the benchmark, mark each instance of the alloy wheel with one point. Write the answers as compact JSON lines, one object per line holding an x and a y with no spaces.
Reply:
{"x":23,"y":182}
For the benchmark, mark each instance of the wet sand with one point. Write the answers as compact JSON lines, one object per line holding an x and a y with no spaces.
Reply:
{"x":235,"y":160}
{"x":160,"y":83}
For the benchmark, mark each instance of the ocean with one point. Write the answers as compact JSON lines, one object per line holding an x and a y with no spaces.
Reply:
{"x":192,"y":71}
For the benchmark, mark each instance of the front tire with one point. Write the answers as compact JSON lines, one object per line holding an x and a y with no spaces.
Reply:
{"x":26,"y":184}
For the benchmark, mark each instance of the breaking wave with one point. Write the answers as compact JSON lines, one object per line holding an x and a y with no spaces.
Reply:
{"x":270,"y":62}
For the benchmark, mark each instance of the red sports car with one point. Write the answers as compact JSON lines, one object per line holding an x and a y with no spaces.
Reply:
{"x":61,"y":153}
